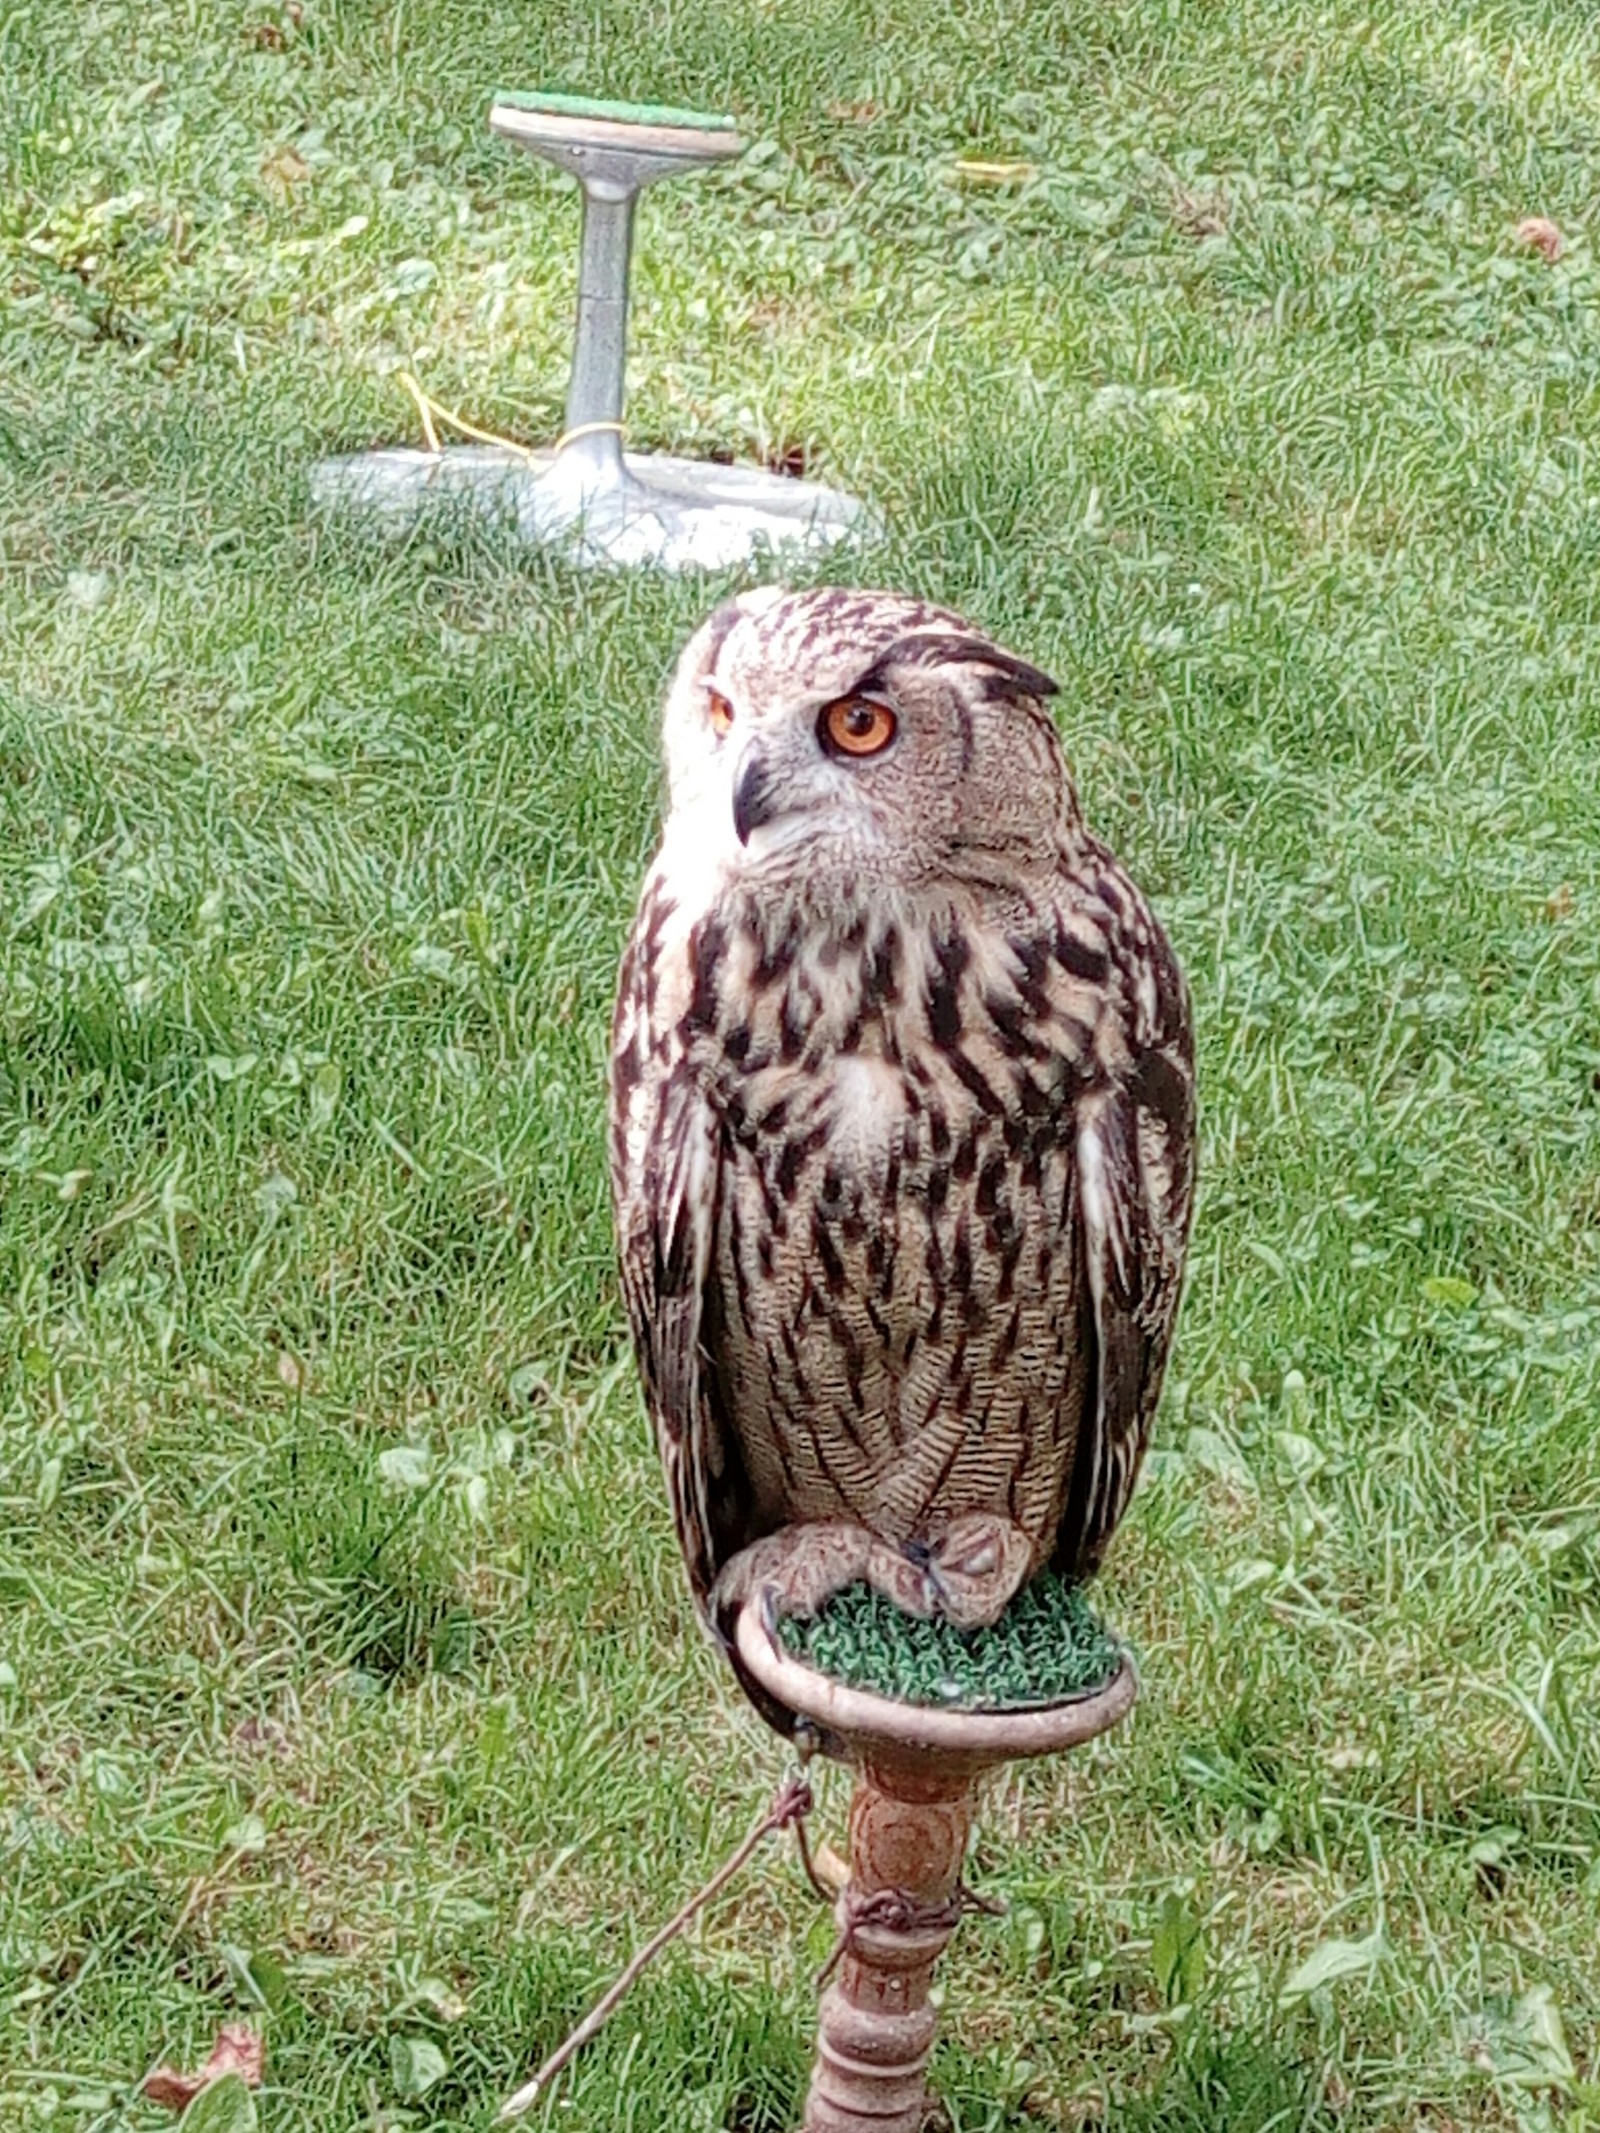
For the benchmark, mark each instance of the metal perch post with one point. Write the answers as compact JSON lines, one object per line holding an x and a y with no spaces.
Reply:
{"x":587,"y":494}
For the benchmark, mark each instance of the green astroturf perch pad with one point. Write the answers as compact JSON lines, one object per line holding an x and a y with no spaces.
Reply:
{"x":584,"y":111}
{"x":587,"y":494}
{"x":1047,"y":1646}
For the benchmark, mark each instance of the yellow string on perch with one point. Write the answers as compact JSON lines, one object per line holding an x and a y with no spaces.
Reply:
{"x":431,"y":413}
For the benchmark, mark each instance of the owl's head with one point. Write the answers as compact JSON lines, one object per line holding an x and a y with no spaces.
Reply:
{"x":836,"y":733}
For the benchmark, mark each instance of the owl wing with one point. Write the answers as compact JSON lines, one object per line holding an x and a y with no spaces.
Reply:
{"x":665,"y":1172}
{"x":1134,"y":1149}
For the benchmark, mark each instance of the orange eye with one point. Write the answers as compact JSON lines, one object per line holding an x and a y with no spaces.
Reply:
{"x":721,"y":713}
{"x":857,"y":726}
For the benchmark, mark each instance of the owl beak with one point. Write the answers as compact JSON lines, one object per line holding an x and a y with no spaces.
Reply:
{"x":754,"y":795}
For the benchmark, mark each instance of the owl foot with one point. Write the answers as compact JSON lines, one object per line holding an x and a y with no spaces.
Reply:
{"x":972,"y":1569}
{"x":799,"y":1569}
{"x":966,"y":1575}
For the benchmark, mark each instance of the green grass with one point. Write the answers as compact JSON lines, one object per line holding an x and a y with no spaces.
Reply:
{"x":347,"y":1664}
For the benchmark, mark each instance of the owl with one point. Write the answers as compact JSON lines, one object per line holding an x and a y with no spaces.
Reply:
{"x":902,"y":1121}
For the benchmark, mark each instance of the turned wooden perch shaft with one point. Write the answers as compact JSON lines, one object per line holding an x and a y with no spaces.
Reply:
{"x":908,"y":1838}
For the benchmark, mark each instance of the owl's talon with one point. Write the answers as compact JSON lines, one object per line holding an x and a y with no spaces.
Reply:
{"x":794,"y":1572}
{"x":975,"y":1566}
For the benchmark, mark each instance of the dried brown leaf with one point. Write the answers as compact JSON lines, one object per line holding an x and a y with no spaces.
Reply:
{"x":1200,"y":214}
{"x":283,"y":170}
{"x":264,"y":1736}
{"x":1540,"y":234}
{"x":239,"y":2049}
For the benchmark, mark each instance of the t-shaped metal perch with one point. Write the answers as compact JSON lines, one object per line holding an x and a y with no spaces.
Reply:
{"x":610,"y":505}
{"x":614,"y":151}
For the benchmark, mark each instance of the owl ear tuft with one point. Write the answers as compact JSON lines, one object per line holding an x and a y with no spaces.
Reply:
{"x":1013,"y":677}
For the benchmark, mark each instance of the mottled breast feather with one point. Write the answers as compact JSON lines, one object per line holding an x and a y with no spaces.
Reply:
{"x":902,"y":1201}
